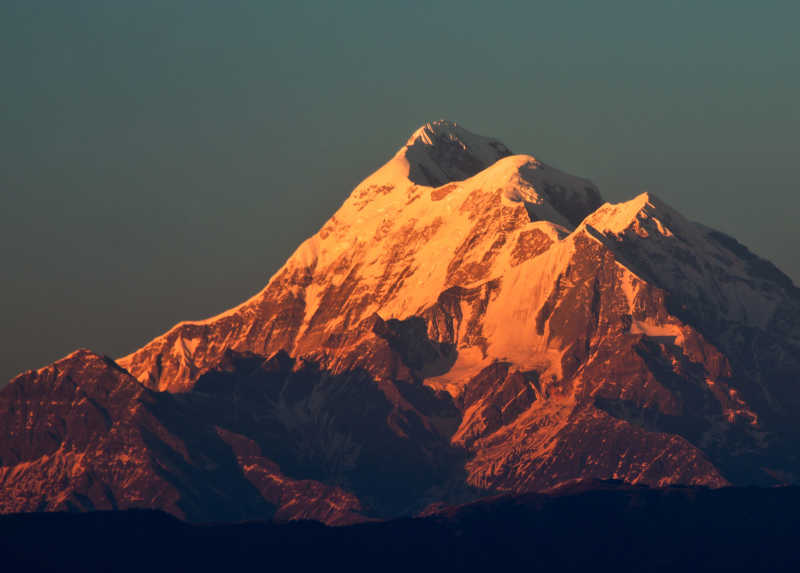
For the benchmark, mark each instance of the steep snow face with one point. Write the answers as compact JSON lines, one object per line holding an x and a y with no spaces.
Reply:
{"x":701,"y":268}
{"x":487,"y":261}
{"x":390,"y":251}
{"x":440,"y":152}
{"x":578,"y":339}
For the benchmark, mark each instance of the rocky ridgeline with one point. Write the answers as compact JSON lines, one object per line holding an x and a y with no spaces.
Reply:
{"x":468,"y":322}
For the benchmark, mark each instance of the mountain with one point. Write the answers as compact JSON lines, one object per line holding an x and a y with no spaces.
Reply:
{"x":468,"y":322}
{"x":84,"y":434}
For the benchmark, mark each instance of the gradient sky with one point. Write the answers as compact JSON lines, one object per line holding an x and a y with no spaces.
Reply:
{"x":160,"y":160}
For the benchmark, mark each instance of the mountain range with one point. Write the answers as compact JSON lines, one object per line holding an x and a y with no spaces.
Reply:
{"x":469,"y":322}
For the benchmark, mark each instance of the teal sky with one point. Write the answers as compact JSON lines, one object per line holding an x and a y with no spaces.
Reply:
{"x":160,"y":160}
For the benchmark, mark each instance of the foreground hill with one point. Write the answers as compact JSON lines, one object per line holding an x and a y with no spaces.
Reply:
{"x":605,"y":528}
{"x":468,"y":322}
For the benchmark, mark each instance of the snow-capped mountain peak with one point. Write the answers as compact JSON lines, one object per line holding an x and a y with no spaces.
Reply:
{"x":462,"y":301}
{"x":440,"y":152}
{"x":644,"y":210}
{"x":701,"y":267}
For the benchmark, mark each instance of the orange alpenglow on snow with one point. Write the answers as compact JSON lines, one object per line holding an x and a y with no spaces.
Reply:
{"x":485,"y":323}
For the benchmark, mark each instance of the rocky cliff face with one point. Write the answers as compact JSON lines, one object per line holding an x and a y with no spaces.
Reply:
{"x":469,"y":321}
{"x":83,"y":434}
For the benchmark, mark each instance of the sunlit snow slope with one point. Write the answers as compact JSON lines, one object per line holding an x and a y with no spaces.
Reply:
{"x":500,"y":328}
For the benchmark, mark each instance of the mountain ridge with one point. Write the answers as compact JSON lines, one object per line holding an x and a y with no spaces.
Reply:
{"x":470,"y":322}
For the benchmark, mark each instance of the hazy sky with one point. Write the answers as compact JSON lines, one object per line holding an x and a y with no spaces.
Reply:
{"x":160,"y":160}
